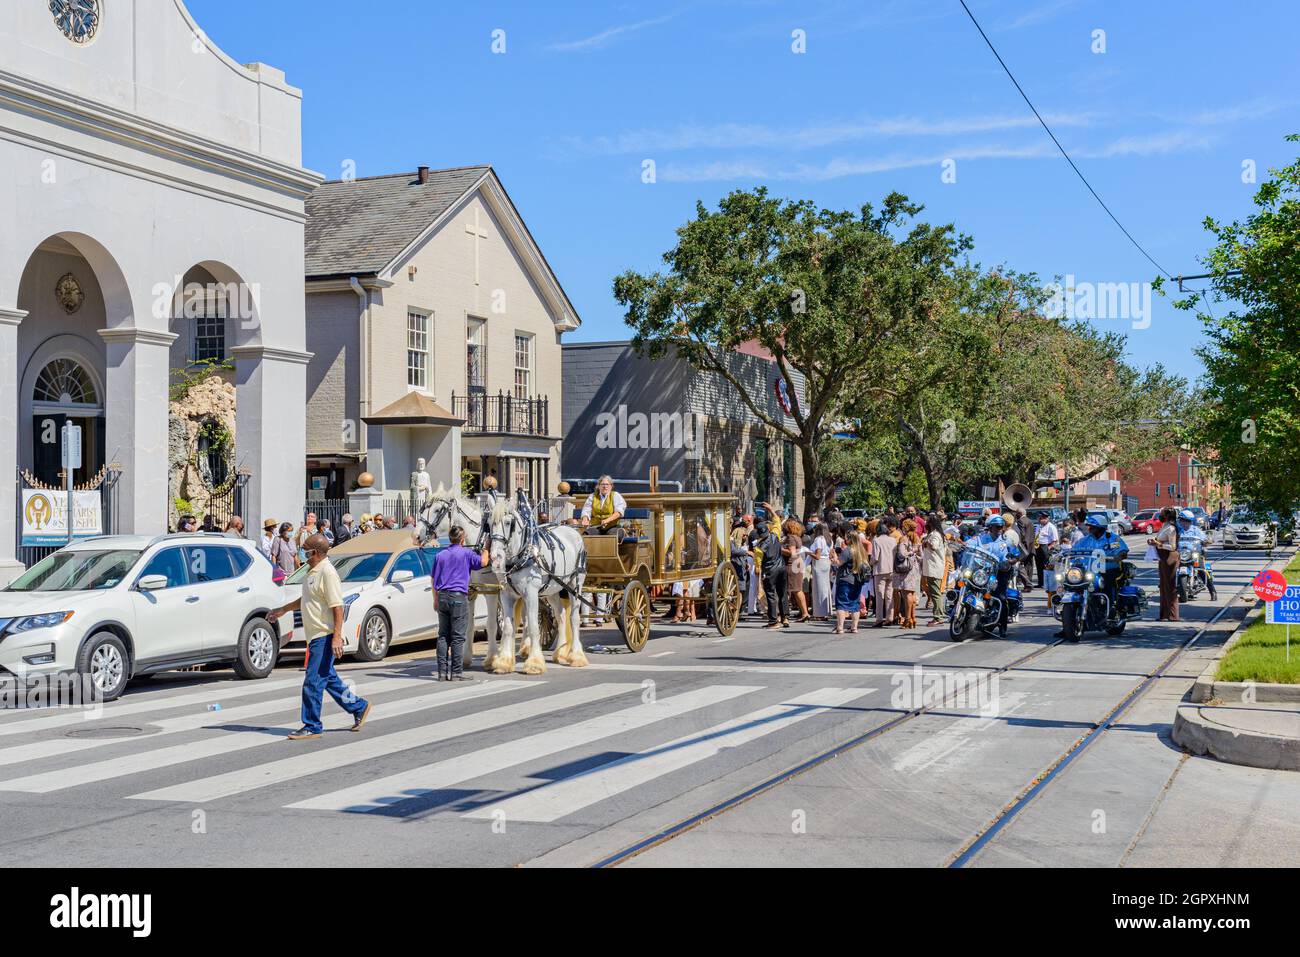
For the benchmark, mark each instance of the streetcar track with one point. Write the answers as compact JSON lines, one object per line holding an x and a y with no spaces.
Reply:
{"x":982,"y":838}
{"x":976,"y":843}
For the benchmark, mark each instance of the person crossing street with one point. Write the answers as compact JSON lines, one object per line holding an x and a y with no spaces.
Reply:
{"x":321,"y":605}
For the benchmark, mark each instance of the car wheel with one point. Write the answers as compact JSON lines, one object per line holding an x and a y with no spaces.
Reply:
{"x":104,"y":660}
{"x":259,"y":647}
{"x":376,"y":635}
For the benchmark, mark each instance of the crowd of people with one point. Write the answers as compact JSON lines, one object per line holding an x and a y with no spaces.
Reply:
{"x":889,"y":568}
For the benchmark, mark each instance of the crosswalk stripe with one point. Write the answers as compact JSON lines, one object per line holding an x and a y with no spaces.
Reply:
{"x":53,"y":747}
{"x":235,"y":741}
{"x":209,"y":694}
{"x":301,"y":765}
{"x":553,"y":801}
{"x":415,"y":782}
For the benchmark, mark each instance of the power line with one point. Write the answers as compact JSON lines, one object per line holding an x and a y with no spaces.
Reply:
{"x":1058,"y":142}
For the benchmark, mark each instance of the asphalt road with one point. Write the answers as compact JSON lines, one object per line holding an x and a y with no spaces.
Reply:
{"x":580,"y":766}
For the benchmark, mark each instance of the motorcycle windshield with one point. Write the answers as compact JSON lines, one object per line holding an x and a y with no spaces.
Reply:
{"x":977,"y":566}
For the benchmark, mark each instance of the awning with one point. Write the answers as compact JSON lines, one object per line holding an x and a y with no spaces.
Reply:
{"x":413,"y":409}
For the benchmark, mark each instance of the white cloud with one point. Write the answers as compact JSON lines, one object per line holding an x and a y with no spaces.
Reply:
{"x":1040,"y":13}
{"x":605,"y":36}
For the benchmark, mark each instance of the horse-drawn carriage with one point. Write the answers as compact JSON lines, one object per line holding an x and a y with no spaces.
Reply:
{"x":665,"y":538}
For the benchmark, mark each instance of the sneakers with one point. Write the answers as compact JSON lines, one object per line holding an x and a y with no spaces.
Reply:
{"x":359,"y":720}
{"x":304,"y":733}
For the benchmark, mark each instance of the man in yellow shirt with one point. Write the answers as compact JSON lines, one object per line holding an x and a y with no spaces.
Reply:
{"x":321,"y":605}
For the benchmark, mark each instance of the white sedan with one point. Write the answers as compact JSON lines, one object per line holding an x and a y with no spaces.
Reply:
{"x":387,"y":594}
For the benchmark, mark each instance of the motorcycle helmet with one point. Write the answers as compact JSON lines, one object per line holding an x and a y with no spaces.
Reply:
{"x":1096,"y":521}
{"x":995,"y":521}
{"x":1187,"y":515}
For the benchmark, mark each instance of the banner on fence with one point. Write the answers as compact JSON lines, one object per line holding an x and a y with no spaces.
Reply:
{"x":45,"y":516}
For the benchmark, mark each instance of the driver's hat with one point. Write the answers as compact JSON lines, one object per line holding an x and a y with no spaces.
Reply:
{"x":1096,"y":521}
{"x":995,"y":521}
{"x":1187,"y":515}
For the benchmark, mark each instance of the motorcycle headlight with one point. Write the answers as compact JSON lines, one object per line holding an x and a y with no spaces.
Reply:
{"x":32,"y":622}
{"x":979,"y":577}
{"x":1185,"y":556}
{"x":1074,"y":576}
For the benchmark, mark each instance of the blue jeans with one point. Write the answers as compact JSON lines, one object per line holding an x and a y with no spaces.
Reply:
{"x":322,"y":677}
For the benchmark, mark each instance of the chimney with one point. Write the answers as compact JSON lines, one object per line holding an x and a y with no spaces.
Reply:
{"x":423,"y":175}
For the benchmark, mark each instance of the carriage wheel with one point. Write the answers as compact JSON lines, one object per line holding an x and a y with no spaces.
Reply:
{"x":634,"y":615}
{"x":547,"y":625}
{"x":726,"y":599}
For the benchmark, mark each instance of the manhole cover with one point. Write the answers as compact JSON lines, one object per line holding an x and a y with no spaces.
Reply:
{"x":119,"y":732}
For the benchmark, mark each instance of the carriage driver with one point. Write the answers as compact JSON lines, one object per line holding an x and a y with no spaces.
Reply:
{"x":604,"y":508}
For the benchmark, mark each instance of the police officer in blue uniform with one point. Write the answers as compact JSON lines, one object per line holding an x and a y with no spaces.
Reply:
{"x":1191,"y":534}
{"x":1098,"y":537}
{"x":993,"y":542}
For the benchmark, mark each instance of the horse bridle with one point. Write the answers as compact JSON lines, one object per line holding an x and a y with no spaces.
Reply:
{"x":447,"y":508}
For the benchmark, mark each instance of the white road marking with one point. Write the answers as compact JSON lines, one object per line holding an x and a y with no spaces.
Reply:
{"x":139,"y":704}
{"x":230,"y":742}
{"x":433,"y":777}
{"x":553,"y":801}
{"x":941,"y":649}
{"x":663,"y":654}
{"x":938,"y":746}
{"x":52,"y":747}
{"x":841,"y":671}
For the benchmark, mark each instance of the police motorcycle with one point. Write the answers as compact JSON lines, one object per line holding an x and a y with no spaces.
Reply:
{"x":1082,"y":602}
{"x":1195,"y":573}
{"x":974,"y":603}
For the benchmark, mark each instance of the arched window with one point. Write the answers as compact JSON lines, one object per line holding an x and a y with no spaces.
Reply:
{"x":65,"y":382}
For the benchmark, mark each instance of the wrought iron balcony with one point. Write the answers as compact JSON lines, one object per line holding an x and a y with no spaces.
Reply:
{"x":502,"y":413}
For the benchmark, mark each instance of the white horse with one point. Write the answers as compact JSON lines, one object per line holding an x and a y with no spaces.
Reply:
{"x":537,"y":563}
{"x":438,"y":514}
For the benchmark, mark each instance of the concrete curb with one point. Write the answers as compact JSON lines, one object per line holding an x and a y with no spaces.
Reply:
{"x":1197,"y":731}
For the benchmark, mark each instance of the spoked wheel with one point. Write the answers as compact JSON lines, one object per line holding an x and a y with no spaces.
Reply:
{"x":547,"y":625}
{"x":634,"y":615}
{"x":726,"y":599}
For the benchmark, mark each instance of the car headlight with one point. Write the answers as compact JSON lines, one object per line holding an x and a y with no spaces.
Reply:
{"x":348,"y":602}
{"x":32,"y":622}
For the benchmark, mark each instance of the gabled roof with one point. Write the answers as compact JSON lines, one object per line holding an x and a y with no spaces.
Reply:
{"x":357,"y":227}
{"x":370,"y":227}
{"x":413,"y":409}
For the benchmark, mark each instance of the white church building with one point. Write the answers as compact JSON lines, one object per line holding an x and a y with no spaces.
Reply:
{"x":138,"y":158}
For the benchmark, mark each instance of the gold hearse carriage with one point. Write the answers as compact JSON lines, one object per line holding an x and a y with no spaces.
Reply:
{"x":667,"y":537}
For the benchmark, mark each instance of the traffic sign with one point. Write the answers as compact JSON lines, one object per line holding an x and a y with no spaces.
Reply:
{"x":1269,"y":585}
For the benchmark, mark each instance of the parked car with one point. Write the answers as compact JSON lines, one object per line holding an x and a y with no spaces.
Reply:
{"x":1056,"y":515}
{"x":1247,"y":528}
{"x":1147,"y":521}
{"x":1202,"y":517}
{"x":387,"y":594}
{"x":122,"y":606}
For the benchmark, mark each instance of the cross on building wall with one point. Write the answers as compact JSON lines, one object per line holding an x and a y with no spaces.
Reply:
{"x":478,"y":233}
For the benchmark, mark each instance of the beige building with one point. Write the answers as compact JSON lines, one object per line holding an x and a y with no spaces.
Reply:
{"x":434,"y":323}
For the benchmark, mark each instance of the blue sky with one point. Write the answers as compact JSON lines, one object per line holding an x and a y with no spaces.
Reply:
{"x":712,"y":92}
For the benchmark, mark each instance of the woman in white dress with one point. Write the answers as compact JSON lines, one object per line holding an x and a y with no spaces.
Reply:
{"x":821,"y":574}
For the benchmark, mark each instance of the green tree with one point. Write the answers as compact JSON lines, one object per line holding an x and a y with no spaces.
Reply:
{"x":845,"y":300}
{"x":1250,"y":414}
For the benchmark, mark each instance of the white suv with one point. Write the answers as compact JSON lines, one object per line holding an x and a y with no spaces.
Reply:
{"x":121,"y":606}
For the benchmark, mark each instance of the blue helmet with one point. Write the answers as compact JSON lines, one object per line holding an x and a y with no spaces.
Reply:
{"x":1187,"y":515}
{"x":995,"y":521}
{"x":1096,"y":521}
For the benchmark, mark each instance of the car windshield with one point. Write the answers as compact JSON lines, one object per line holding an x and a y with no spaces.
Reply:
{"x":351,"y":568}
{"x":78,"y":570}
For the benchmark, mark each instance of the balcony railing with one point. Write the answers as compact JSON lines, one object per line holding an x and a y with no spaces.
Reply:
{"x":502,"y":413}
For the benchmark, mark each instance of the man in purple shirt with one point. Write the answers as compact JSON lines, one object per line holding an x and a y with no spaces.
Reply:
{"x":451,"y":571}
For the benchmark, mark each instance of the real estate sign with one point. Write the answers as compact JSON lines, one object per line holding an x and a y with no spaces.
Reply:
{"x":45,"y":516}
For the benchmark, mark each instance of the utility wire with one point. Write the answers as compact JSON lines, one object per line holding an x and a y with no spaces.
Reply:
{"x":1058,"y":142}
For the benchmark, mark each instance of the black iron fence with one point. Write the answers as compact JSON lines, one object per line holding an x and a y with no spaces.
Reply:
{"x":503,"y":413}
{"x":105,"y":484}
